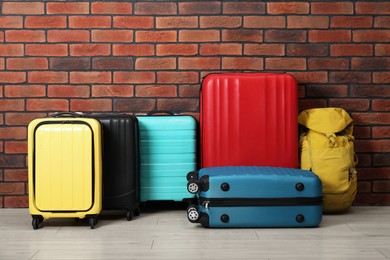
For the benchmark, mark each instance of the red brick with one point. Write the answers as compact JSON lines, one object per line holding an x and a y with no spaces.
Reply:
{"x":134,"y":77}
{"x":381,"y":159}
{"x":372,"y":146}
{"x":25,"y":36}
{"x":285,"y":36}
{"x":12,"y":77}
{"x":327,"y":90}
{"x":319,"y":22}
{"x":14,"y":133}
{"x":371,"y":36}
{"x":111,"y":8}
{"x":16,"y":147}
{"x":382,"y":22}
{"x":15,"y":175}
{"x":155,"y":36}
{"x":379,"y":132}
{"x":329,"y":36}
{"x":264,"y":49}
{"x":134,"y":105}
{"x":328,"y":63}
{"x":381,"y":77}
{"x":199,"y":63}
{"x":11,"y":50}
{"x":11,"y":22}
{"x":350,"y":77}
{"x":23,"y":8}
{"x":21,"y":119}
{"x":372,"y":199}
{"x":370,"y":64}
{"x":65,"y":63}
{"x":47,"y":104}
{"x":177,"y":22}
{"x":16,"y":201}
{"x":220,"y":22}
{"x":369,"y":91}
{"x":218,"y":49}
{"x":24,"y":91}
{"x":133,"y":49}
{"x":364,"y":186}
{"x":241,"y":63}
{"x":12,"y":188}
{"x":27,"y":63}
{"x":90,"y":77}
{"x":202,"y":7}
{"x":178,"y":105}
{"x":373,"y":173}
{"x":155,"y":63}
{"x":243,"y":8}
{"x":381,"y":105}
{"x":351,"y":22}
{"x":332,"y":8}
{"x":2,"y":64}
{"x":47,"y":77}
{"x":2,"y":37}
{"x":189,"y":91}
{"x":68,"y":36}
{"x":45,"y":22}
{"x":382,"y":50}
{"x":67,"y":8}
{"x":285,"y":64}
{"x":311,"y":49}
{"x":46,"y":50}
{"x":12,"y":105}
{"x":156,"y":91}
{"x":88,"y":105}
{"x":136,"y":22}
{"x":176,"y":49}
{"x":112,"y":63}
{"x":311,"y":77}
{"x":351,"y":50}
{"x":372,"y":8}
{"x":288,"y":8}
{"x":242,"y":35}
{"x":371,"y":118}
{"x":312,"y":103}
{"x":112,"y":91}
{"x":112,"y":36}
{"x":350,"y":104}
{"x":89,"y":49}
{"x":362,"y":132}
{"x":68,"y":91}
{"x":155,"y":8}
{"x":177,"y":77}
{"x":199,"y":36}
{"x":264,"y":22}
{"x":89,"y":22}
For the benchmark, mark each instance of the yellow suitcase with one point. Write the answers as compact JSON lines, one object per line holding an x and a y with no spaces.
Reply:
{"x":64,"y":168}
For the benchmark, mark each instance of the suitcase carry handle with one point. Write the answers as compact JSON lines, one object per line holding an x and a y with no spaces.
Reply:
{"x":170,"y":113}
{"x":68,"y":114}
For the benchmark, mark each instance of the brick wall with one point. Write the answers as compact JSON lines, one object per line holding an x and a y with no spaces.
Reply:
{"x":137,"y":56}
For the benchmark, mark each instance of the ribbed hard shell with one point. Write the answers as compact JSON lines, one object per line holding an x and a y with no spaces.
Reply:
{"x":168,"y":153}
{"x":249,"y":119}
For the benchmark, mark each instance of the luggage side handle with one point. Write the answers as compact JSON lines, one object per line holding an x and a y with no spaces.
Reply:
{"x":169,"y":113}
{"x":68,"y":114}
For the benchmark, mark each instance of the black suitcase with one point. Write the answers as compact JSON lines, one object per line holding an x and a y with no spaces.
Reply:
{"x":121,"y":168}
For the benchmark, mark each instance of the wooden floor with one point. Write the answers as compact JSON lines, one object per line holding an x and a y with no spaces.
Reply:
{"x":363,"y":233}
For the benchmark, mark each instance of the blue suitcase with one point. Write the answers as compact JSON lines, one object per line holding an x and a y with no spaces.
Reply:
{"x":254,"y":196}
{"x":167,"y":153}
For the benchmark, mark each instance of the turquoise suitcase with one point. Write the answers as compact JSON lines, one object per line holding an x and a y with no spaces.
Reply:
{"x":167,"y":153}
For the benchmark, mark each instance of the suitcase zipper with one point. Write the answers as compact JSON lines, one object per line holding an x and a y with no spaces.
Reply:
{"x":252,"y":202}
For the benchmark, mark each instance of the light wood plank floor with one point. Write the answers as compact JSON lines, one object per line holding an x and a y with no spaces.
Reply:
{"x":362,"y":233}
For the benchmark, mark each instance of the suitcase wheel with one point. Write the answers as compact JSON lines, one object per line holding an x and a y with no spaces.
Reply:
{"x":192,"y":175}
{"x":92,"y":222}
{"x":193,"y":186}
{"x":36,"y":221}
{"x":300,"y":218}
{"x":192,"y":214}
{"x":129,"y":215}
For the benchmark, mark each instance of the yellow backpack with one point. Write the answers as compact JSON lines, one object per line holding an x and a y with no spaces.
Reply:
{"x":327,"y":149}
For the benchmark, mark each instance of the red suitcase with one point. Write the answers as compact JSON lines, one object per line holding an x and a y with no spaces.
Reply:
{"x":249,"y":119}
